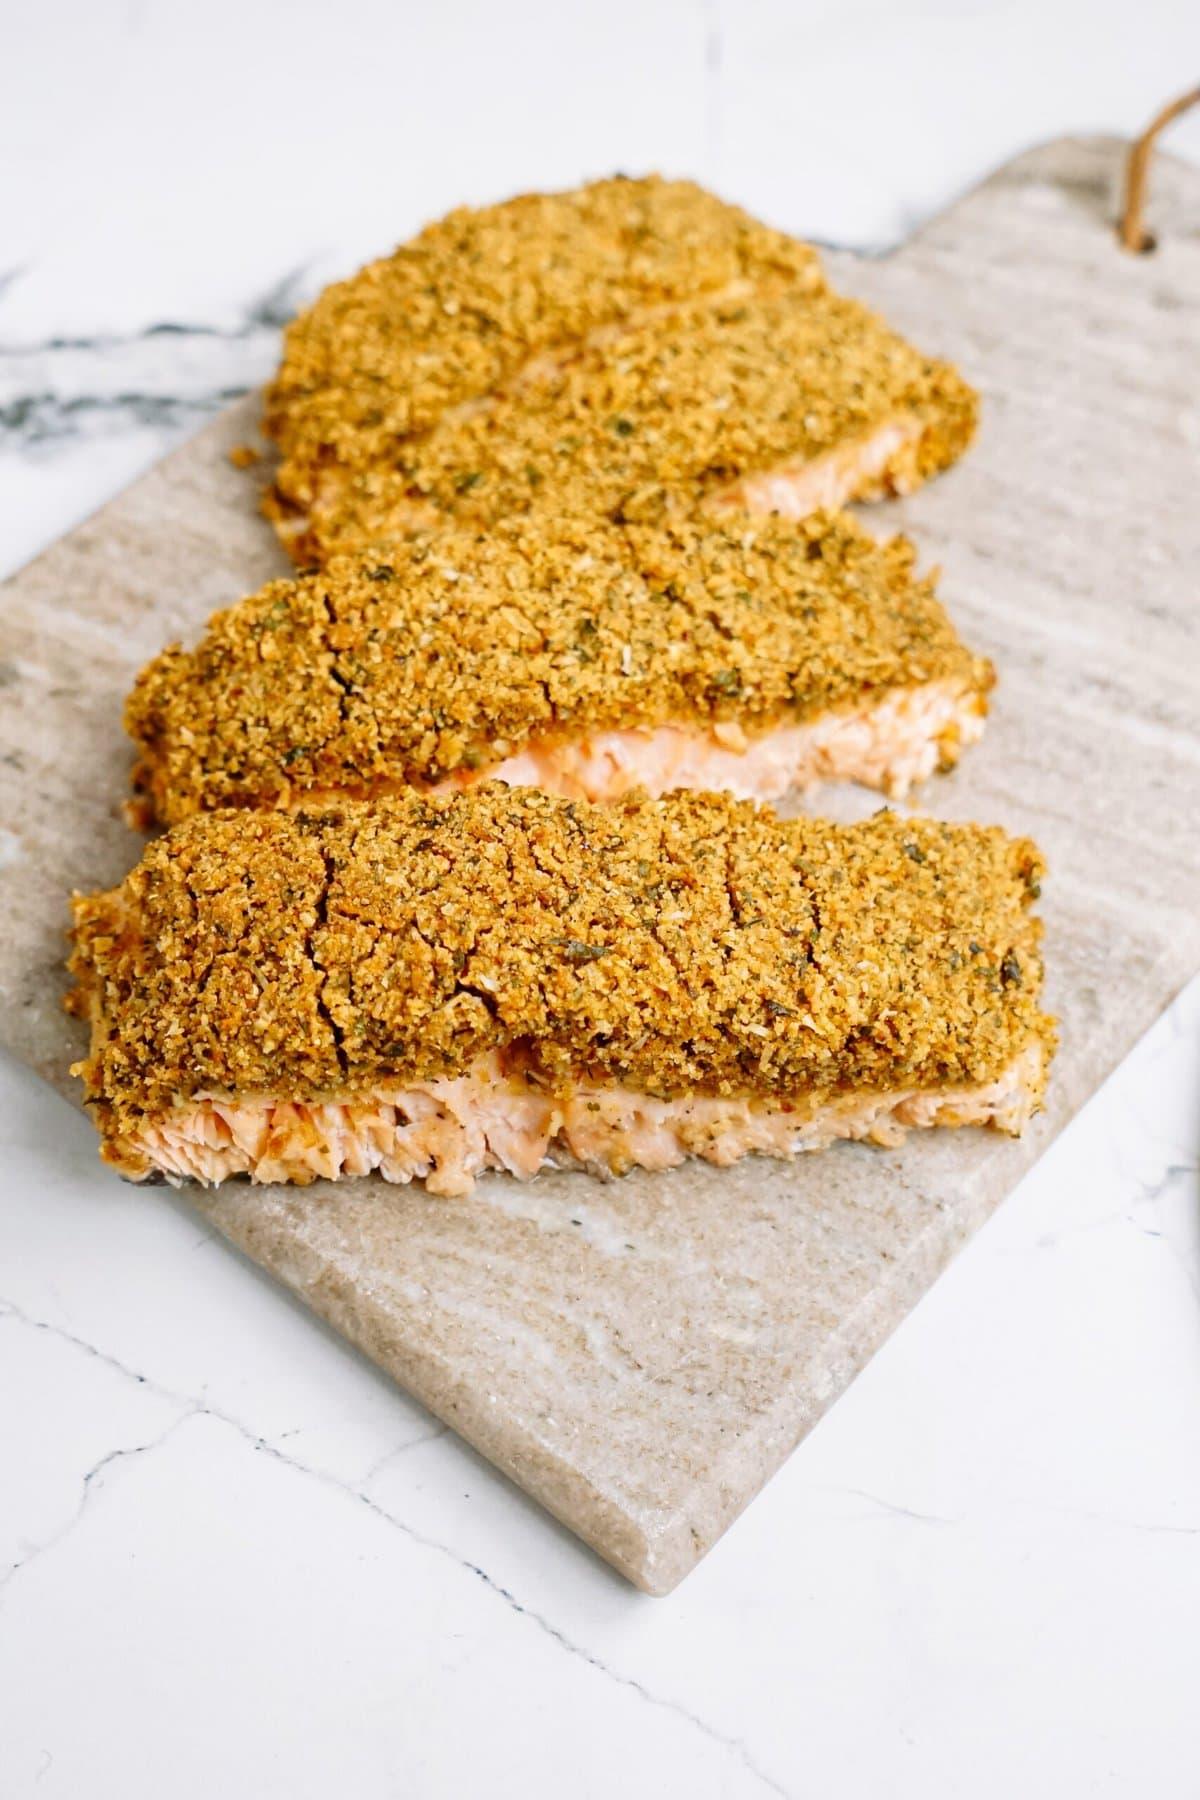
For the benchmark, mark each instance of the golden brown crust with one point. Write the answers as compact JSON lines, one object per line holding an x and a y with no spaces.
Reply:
{"x":464,"y":305}
{"x":665,"y":412}
{"x":691,"y":944}
{"x":449,"y":654}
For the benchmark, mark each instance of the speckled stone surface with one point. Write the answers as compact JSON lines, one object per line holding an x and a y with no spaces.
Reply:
{"x":642,"y":1356}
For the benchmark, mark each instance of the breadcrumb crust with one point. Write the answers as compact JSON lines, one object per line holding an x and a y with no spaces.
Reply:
{"x":449,"y":654}
{"x":692,"y":944}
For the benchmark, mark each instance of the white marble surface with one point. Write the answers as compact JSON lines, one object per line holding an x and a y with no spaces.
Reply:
{"x":232,"y":1558}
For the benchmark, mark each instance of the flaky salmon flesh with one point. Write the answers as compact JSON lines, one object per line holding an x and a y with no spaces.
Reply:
{"x":890,"y":744}
{"x":447,"y":1132}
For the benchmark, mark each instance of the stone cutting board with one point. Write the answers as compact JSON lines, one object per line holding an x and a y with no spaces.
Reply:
{"x":641,"y":1356}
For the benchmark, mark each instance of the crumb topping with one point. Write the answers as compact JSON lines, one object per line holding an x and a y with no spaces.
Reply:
{"x":665,"y":411}
{"x":690,"y":944}
{"x":453,"y":313}
{"x":448,"y":653}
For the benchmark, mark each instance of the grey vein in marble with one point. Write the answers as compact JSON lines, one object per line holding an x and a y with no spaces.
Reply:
{"x":168,"y":376}
{"x":196,"y":1407}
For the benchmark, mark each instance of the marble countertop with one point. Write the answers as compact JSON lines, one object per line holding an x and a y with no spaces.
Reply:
{"x":232,"y":1557}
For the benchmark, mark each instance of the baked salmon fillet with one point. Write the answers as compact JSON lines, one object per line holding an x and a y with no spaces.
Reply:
{"x":431,"y":987}
{"x":483,"y":299}
{"x":779,"y":403}
{"x":502,"y":349}
{"x":577,"y":656}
